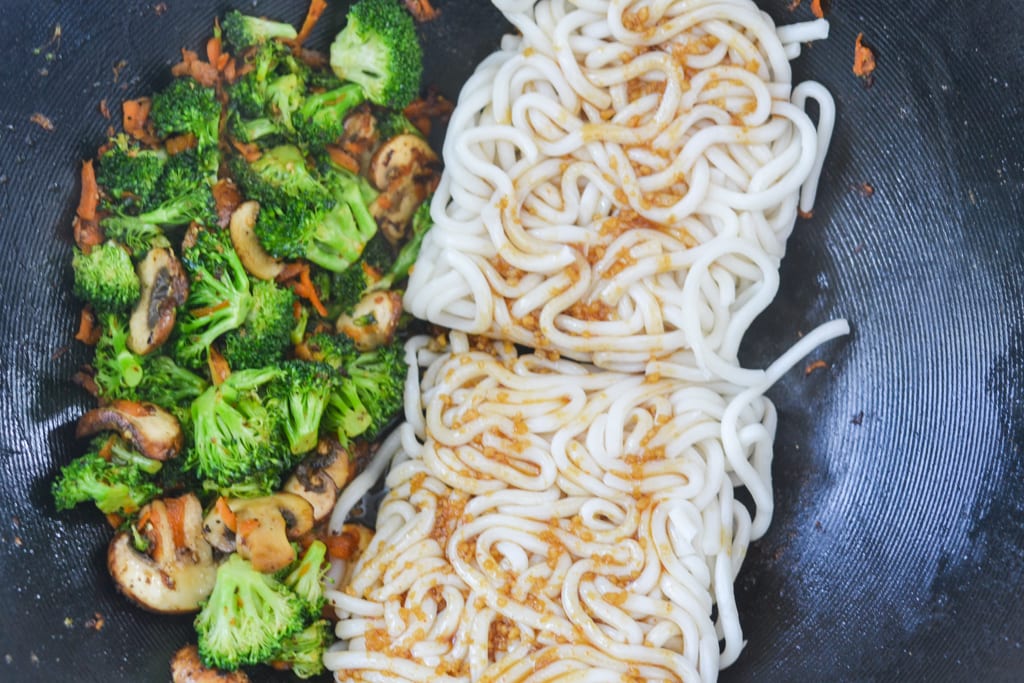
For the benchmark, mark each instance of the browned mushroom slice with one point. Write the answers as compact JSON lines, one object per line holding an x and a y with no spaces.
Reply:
{"x":186,"y":667}
{"x":164,"y":288}
{"x":406,"y":172}
{"x":320,"y":477}
{"x":360,"y":136}
{"x":178,"y":571}
{"x":373,"y":321}
{"x":266,"y":526}
{"x":153,"y":431}
{"x":251,"y":253}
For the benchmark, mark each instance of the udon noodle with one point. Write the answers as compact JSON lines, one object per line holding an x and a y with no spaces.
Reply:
{"x":546,"y":517}
{"x":620,"y":180}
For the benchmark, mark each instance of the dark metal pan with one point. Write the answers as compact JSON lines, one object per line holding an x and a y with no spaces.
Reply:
{"x":897,"y":548}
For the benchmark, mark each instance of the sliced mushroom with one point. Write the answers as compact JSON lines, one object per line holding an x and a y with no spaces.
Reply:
{"x":373,"y":320}
{"x":360,"y":136}
{"x":406,"y":171}
{"x":251,"y":253}
{"x":164,"y":288}
{"x":186,"y":667}
{"x":153,"y":431}
{"x":320,"y":477}
{"x":178,"y":571}
{"x":266,"y":526}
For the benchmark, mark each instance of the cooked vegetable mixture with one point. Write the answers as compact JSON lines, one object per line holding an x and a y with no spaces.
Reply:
{"x":240,"y":249}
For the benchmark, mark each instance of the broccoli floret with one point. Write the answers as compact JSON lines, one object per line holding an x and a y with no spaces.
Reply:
{"x":371,"y":393}
{"x":241,"y":30}
{"x":251,"y":95}
{"x":303,"y":651}
{"x":128,"y":172}
{"x":379,"y":380}
{"x":167,"y":384}
{"x":392,"y":123}
{"x":302,"y":391}
{"x":237,"y":439}
{"x":105,"y":278}
{"x":323,"y":219}
{"x":305,"y":578}
{"x":379,"y":50}
{"x":280,"y":174}
{"x":118,"y":371}
{"x":122,"y":482}
{"x":321,"y":118}
{"x":185,"y":106}
{"x":349,"y":286}
{"x":182,"y":176}
{"x":246,"y":617}
{"x":266,"y":332}
{"x":144,"y":232}
{"x":219,"y":298}
{"x":399,"y":270}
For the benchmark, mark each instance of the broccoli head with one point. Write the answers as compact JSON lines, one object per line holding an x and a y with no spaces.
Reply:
{"x":186,"y":107}
{"x":305,"y":578}
{"x":167,"y":384}
{"x":303,"y":651}
{"x":266,"y":332}
{"x":111,"y":475}
{"x":219,"y":298}
{"x":105,"y":278}
{"x":128,"y":172}
{"x":237,"y":440}
{"x":302,"y":391}
{"x":242,"y":30}
{"x":280,"y":174}
{"x":117,"y":371}
{"x":379,"y":50}
{"x":246,"y":617}
{"x":321,"y":118}
{"x":143,"y":232}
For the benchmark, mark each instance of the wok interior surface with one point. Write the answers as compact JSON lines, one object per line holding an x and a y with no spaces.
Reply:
{"x":897,"y":546}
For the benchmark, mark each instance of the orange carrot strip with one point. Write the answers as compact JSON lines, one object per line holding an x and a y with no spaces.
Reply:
{"x":250,"y":151}
{"x":247,"y":526}
{"x":341,"y":546}
{"x":209,"y":310}
{"x":219,"y":368}
{"x":304,"y":288}
{"x":225,"y":513}
{"x":421,"y":10}
{"x":817,"y":9}
{"x":342,"y":158}
{"x":213,"y":50}
{"x":88,"y":331}
{"x":316,"y":8}
{"x":863,"y":58}
{"x":90,"y":198}
{"x":176,"y":516}
{"x":114,"y":520}
{"x":135,"y":116}
{"x":181,"y":143}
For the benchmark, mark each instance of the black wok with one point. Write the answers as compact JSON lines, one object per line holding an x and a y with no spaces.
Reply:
{"x":897,"y":548}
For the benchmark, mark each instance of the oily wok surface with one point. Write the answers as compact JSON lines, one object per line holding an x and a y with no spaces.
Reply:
{"x":897,"y":546}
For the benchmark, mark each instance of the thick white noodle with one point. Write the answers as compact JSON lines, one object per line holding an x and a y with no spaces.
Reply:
{"x":620,"y":180}
{"x":554,"y":519}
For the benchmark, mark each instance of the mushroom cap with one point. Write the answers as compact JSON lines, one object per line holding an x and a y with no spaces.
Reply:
{"x":250,"y":252}
{"x":178,"y":573}
{"x":164,"y":288}
{"x":153,"y":431}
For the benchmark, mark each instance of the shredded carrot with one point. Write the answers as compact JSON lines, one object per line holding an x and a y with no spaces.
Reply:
{"x":250,"y":151}
{"x":226,"y":199}
{"x":305,"y":289}
{"x":219,"y":368}
{"x":316,"y":9}
{"x":144,"y":518}
{"x":190,"y":65}
{"x":215,"y":55}
{"x":816,"y":365}
{"x":225,"y":513}
{"x":176,"y":517}
{"x":114,"y":520}
{"x":290,"y":271}
{"x":107,"y":449}
{"x":181,"y":143}
{"x":421,"y":10}
{"x":342,"y":158}
{"x":422,"y":111}
{"x":341,"y":546}
{"x":817,"y":9}
{"x":90,"y":198}
{"x":104,"y":109}
{"x":863,"y":58}
{"x":42,"y":120}
{"x":88,"y":331}
{"x":209,"y":310}
{"x":247,"y":526}
{"x":135,"y":119}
